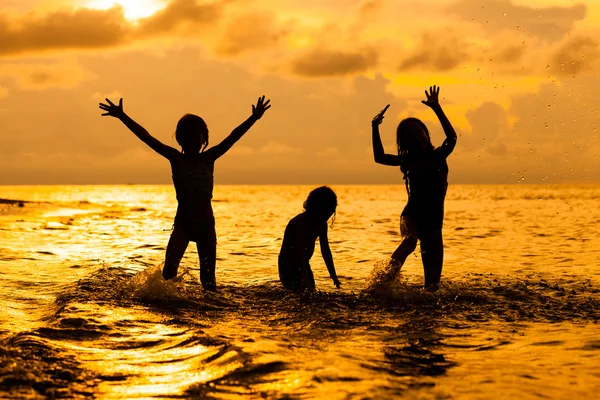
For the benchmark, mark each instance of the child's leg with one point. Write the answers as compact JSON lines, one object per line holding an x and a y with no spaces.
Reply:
{"x":307,"y":279}
{"x":175,"y":250}
{"x":408,"y":245}
{"x":432,"y":254}
{"x":293,"y":274}
{"x":207,"y":252}
{"x":409,"y":241}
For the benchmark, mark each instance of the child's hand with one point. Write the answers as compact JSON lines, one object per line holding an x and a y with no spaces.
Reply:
{"x":337,"y":282}
{"x":379,"y":117}
{"x":112,"y":110}
{"x":432,"y":97}
{"x":261,"y":106}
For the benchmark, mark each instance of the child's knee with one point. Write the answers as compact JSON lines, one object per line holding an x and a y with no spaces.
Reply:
{"x":410,"y":242}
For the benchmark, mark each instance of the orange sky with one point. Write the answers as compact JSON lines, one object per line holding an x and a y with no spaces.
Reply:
{"x":519,"y":81}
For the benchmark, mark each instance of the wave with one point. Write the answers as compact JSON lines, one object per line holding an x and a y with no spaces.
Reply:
{"x":116,"y":333}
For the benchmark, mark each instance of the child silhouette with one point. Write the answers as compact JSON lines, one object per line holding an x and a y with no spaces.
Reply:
{"x":299,"y":240}
{"x":192,"y":170}
{"x":425,"y":172}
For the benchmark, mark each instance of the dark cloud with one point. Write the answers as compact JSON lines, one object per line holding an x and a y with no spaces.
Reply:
{"x":181,"y":14}
{"x":87,"y":28}
{"x":319,"y":62}
{"x":440,"y":51}
{"x":575,"y":55}
{"x":550,"y":23}
{"x":81,"y":28}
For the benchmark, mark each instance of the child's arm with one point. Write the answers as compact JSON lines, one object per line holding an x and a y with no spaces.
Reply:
{"x":155,"y":144}
{"x":257,"y":112}
{"x":327,"y":257}
{"x":378,"y":152}
{"x":433,"y":102}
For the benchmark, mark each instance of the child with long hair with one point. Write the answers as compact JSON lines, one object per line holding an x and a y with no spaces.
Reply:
{"x":299,"y":240}
{"x":192,"y":170}
{"x":425,"y":172}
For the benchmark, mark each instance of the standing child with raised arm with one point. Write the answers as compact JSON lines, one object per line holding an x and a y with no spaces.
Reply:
{"x":425,"y":172}
{"x":192,"y":170}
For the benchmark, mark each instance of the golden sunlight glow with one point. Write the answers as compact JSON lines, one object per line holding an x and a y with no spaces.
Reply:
{"x":133,"y":9}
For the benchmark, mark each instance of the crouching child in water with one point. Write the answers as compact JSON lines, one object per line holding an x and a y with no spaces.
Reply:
{"x":299,"y":241}
{"x":192,"y":170}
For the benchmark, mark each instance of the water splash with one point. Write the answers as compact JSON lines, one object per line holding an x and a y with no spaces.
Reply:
{"x":384,"y":277}
{"x":149,"y":285}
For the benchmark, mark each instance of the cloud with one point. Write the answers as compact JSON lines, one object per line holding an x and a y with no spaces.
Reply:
{"x":84,"y":28}
{"x":488,"y":122}
{"x":66,"y":29}
{"x":181,"y":15}
{"x":546,"y":136}
{"x":321,"y":62}
{"x":575,"y":55}
{"x":439,"y":51}
{"x":550,"y":23}
{"x":250,"y":32}
{"x":29,"y":76}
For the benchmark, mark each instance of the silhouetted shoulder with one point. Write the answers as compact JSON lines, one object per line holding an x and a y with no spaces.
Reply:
{"x":447,"y":147}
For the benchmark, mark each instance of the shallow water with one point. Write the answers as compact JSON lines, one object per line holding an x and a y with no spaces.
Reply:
{"x":86,"y":313}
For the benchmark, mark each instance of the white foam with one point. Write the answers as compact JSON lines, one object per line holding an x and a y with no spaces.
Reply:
{"x":149,"y":284}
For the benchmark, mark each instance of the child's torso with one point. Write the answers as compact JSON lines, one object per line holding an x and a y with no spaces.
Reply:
{"x":428,"y":178}
{"x":300,"y":237}
{"x":193,"y":179}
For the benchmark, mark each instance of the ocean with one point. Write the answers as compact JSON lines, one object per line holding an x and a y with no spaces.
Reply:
{"x":85,"y":313}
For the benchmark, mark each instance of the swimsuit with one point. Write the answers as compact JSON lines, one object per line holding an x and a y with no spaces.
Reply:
{"x":426,"y":183}
{"x":194,"y":189}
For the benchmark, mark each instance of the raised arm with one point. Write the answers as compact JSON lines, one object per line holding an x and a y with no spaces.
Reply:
{"x":257,"y":112}
{"x":328,"y":257}
{"x":433,"y":102}
{"x":139,"y":131}
{"x":378,"y":152}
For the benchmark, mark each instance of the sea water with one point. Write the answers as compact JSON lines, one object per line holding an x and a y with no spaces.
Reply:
{"x":84,"y":311}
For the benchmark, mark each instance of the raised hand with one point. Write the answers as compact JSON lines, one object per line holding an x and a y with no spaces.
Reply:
{"x":378,"y":119}
{"x":112,"y":110}
{"x":261,"y":106}
{"x":432,"y":97}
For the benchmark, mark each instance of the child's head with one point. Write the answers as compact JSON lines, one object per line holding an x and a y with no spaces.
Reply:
{"x":191,"y":133}
{"x":321,"y":203}
{"x":412,"y":136}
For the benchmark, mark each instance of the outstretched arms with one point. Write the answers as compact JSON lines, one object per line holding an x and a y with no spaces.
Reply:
{"x":328,"y":258}
{"x":433,"y":102}
{"x":257,"y":112}
{"x":155,"y":144}
{"x":378,"y":152}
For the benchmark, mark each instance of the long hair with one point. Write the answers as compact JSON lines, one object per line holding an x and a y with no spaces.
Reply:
{"x":405,"y":139}
{"x":191,"y":124}
{"x":321,"y":202}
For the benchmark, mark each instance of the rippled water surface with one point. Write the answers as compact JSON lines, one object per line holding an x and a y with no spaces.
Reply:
{"x":85,"y":312}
